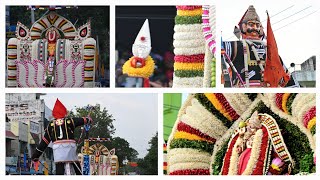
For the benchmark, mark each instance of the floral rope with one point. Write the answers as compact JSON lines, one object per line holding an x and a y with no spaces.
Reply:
{"x":145,"y":71}
{"x":209,"y":106}
{"x":284,"y":102}
{"x":194,"y":12}
{"x":188,"y":19}
{"x":200,"y":145}
{"x":186,"y":128}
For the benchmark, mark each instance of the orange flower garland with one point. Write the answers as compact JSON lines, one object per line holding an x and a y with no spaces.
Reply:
{"x":145,"y":71}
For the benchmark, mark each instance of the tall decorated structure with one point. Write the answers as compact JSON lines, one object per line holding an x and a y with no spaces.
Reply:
{"x":52,"y":53}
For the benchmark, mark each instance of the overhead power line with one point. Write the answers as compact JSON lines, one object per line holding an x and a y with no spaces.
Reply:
{"x":292,"y":15}
{"x":297,"y":20}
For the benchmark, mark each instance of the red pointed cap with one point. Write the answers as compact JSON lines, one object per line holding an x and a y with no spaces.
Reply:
{"x":59,"y":110}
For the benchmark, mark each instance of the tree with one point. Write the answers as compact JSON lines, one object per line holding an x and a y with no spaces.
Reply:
{"x":149,"y":164}
{"x":123,"y":150}
{"x":102,"y":124}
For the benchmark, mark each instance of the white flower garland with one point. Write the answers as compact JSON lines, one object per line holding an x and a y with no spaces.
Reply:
{"x":189,"y":51}
{"x":183,"y":155}
{"x":188,"y":165}
{"x":207,"y":116}
{"x":205,"y":122}
{"x":304,"y":109}
{"x":174,"y":129}
{"x":302,"y":101}
{"x":234,"y":159}
{"x":187,"y":35}
{"x":188,"y":28}
{"x":190,"y":43}
{"x":186,"y":82}
{"x":207,"y":67}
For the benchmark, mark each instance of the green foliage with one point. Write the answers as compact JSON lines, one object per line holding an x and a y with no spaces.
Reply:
{"x":208,"y":105}
{"x":188,"y":19}
{"x":313,"y":130}
{"x":290,"y":101}
{"x":149,"y":164}
{"x":218,"y":161}
{"x":188,"y":73}
{"x":123,"y":150}
{"x":295,"y":140}
{"x":195,"y":144}
{"x":305,"y":163}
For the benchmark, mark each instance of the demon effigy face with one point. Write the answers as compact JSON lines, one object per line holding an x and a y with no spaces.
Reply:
{"x":250,"y":25}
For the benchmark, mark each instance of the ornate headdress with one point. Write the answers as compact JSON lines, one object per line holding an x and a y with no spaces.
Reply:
{"x":250,"y":14}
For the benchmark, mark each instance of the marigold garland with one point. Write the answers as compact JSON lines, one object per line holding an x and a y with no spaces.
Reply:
{"x":186,"y":128}
{"x":284,"y":102}
{"x":214,"y":100}
{"x":194,"y":12}
{"x":188,"y":19}
{"x":144,"y":72}
{"x":188,"y":136}
{"x":308,"y":116}
{"x":311,"y":123}
{"x":188,"y":66}
{"x":226,"y":105}
{"x":209,"y":106}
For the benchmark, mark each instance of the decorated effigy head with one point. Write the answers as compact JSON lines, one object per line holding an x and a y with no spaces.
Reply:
{"x":250,"y":25}
{"x":140,"y":64}
{"x":142,"y":45}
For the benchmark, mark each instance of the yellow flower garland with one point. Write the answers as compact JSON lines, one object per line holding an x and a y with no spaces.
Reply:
{"x":311,"y":123}
{"x":145,"y":71}
{"x":215,"y":102}
{"x":284,"y":102}
{"x":188,"y":136}
{"x":189,"y":66}
{"x":195,"y":12}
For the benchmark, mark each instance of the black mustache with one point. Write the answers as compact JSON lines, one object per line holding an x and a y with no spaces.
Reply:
{"x":250,"y":30}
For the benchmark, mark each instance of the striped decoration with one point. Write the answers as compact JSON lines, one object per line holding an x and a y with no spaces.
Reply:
{"x":11,"y":65}
{"x":276,"y":137}
{"x":89,"y":51}
{"x":165,"y":158}
{"x":189,"y":48}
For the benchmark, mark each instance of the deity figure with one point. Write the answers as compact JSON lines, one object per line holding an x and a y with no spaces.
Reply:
{"x":253,"y":145}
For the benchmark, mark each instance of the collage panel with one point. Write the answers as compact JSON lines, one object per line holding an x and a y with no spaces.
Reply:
{"x":239,"y":133}
{"x":165,"y":46}
{"x":62,"y":46}
{"x":260,"y":48}
{"x":65,"y":134}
